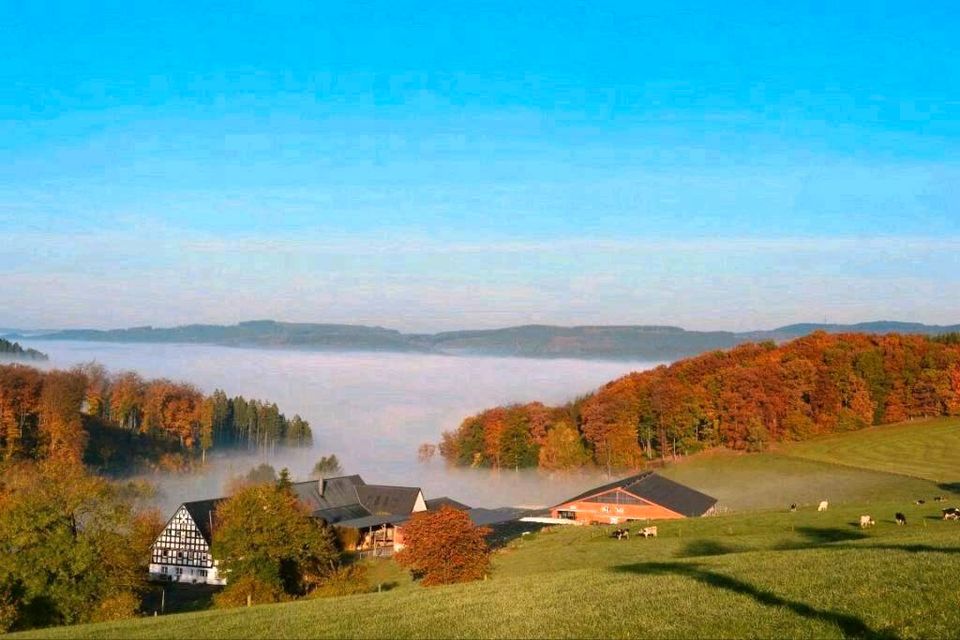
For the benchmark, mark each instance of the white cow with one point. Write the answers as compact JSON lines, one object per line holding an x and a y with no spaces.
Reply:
{"x":866,"y":521}
{"x":648,"y":532}
{"x":823,"y":505}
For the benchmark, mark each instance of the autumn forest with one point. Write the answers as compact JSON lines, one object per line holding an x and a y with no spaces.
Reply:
{"x":113,"y":421}
{"x":743,"y":399}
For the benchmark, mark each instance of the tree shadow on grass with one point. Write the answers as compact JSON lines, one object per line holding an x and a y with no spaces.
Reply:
{"x":700,"y":548}
{"x":952,"y":487}
{"x":827,"y":538}
{"x":504,"y":533}
{"x":851,"y":626}
{"x":827,"y":535}
{"x":911,"y":548}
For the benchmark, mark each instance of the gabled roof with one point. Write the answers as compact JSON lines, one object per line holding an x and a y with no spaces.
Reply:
{"x":616,"y":484}
{"x":202,"y":512}
{"x":335,"y":515}
{"x":374,"y":521}
{"x":481,"y":517}
{"x":339,"y":501}
{"x":435,"y":503}
{"x":380,"y":499}
{"x":329,"y":492}
{"x":658,"y":490}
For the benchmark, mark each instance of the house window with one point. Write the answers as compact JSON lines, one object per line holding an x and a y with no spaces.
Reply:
{"x":202,"y":572}
{"x":179,"y":570}
{"x":163,"y":569}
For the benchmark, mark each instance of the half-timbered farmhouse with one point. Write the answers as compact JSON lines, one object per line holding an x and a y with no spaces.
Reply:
{"x":181,"y":552}
{"x":645,"y":496}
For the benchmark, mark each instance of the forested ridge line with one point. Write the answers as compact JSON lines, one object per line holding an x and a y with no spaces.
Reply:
{"x":608,"y":342}
{"x":86,"y":414}
{"x":744,"y":398}
{"x":14,"y":350}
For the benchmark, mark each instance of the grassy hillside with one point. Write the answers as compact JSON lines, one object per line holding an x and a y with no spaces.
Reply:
{"x":775,"y":481}
{"x":805,"y":574}
{"x":925,"y":449}
{"x":757,"y":571}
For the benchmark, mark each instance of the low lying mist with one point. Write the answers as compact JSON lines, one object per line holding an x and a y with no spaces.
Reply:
{"x":371,"y":409}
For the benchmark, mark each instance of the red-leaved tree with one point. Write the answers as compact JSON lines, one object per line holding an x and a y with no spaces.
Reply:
{"x":444,"y":547}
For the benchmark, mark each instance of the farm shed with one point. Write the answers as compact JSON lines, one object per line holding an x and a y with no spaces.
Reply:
{"x":645,"y":496}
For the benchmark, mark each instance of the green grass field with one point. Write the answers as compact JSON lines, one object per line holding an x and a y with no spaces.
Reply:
{"x":756,"y":571}
{"x":926,"y":449}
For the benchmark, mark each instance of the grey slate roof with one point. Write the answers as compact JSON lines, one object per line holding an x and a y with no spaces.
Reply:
{"x":658,"y":490}
{"x":374,"y":521}
{"x":202,"y":512}
{"x":480,"y":516}
{"x":345,"y":501}
{"x":435,"y":503}
{"x":336,"y":515}
{"x":329,"y":492}
{"x":382,"y":499}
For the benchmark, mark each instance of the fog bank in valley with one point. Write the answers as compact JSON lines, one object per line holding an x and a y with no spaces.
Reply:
{"x":371,"y":409}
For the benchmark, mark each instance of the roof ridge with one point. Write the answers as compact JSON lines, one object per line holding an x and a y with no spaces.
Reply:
{"x":394,"y":486}
{"x":203,"y":500}
{"x":348,"y":475}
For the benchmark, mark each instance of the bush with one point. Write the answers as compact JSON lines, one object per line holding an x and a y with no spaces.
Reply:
{"x":345,"y":581}
{"x":118,"y":607}
{"x":443,"y":547}
{"x":242,"y":587}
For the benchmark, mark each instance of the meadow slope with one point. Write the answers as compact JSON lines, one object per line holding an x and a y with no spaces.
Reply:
{"x":924,"y":449}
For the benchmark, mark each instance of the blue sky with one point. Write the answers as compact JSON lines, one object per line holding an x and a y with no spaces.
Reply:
{"x":479,"y":164}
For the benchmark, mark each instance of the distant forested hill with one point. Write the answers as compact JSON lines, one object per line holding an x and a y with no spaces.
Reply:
{"x":13,"y":350}
{"x":626,"y":342}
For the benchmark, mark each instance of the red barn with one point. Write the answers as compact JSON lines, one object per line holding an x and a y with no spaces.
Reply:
{"x":645,"y":496}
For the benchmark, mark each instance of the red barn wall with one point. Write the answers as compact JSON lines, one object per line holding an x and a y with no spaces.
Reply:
{"x":593,"y":512}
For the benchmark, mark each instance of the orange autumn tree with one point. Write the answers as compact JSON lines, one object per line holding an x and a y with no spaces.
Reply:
{"x":444,"y":547}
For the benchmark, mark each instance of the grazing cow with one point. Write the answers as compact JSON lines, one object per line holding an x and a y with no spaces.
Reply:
{"x":648,"y":532}
{"x":920,"y":501}
{"x":866,"y":521}
{"x":901,"y":519}
{"x":940,"y":499}
{"x":823,"y":505}
{"x":951,"y":513}
{"x":793,"y":507}
{"x":621,"y":534}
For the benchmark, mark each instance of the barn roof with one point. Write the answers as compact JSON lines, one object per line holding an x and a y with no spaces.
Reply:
{"x":336,"y":515}
{"x":374,"y":521}
{"x":435,"y":503}
{"x":343,"y":501}
{"x":329,"y":492}
{"x":480,"y":516}
{"x":202,"y":513}
{"x":658,"y":490}
{"x":384,"y":499}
